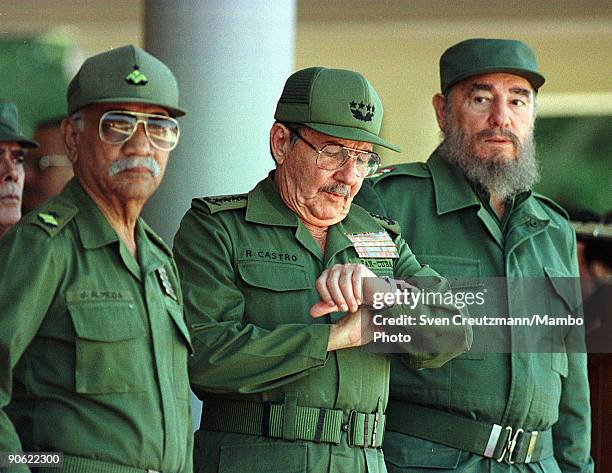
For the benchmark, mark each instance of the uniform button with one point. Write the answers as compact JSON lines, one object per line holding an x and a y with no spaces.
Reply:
{"x":533,"y":223}
{"x":345,"y":428}
{"x":131,"y":306}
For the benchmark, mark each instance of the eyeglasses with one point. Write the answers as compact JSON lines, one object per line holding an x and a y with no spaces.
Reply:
{"x":118,"y":126}
{"x":53,"y":160}
{"x":331,"y":157}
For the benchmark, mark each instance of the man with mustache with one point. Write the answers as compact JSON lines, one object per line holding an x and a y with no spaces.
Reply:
{"x":12,"y":145}
{"x":273,"y":288}
{"x":469,"y":212}
{"x":93,"y":345}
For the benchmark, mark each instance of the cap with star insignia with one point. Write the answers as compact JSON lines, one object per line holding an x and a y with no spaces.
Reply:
{"x":125,"y":75}
{"x":336,"y":102}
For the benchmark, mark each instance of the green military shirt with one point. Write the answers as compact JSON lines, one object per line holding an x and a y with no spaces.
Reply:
{"x":450,"y":228}
{"x":248,"y":267}
{"x":93,"y":345}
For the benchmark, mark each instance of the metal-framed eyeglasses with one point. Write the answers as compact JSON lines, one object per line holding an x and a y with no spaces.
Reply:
{"x":118,"y":126}
{"x":333,"y":156}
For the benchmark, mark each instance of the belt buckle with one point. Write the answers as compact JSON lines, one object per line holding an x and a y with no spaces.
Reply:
{"x":153,"y":471}
{"x":510,"y":445}
{"x":375,"y":427}
{"x":349,"y":428}
{"x":531,"y":447}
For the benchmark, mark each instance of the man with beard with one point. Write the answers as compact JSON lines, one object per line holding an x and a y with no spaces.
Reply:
{"x":93,"y":345}
{"x":469,"y":212}
{"x":12,"y":154}
{"x":273,"y":287}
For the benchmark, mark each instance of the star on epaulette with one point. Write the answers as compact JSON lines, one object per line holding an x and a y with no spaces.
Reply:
{"x":48,"y":218}
{"x":225,"y":199}
{"x":387,"y":220}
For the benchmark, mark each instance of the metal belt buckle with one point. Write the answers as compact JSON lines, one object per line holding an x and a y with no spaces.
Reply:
{"x":532,"y":443}
{"x":152,"y":471}
{"x":375,"y":428}
{"x":510,"y":445}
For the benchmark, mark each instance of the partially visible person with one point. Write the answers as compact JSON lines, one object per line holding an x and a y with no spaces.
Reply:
{"x":47,"y":168}
{"x":12,"y":144}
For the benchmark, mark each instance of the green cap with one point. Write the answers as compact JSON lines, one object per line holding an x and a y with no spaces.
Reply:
{"x":9,"y":125}
{"x":335,"y":102}
{"x":482,"y":56}
{"x":126,"y":74}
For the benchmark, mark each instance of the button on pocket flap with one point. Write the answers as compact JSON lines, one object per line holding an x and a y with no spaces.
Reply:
{"x":176,"y":313}
{"x":273,"y":276}
{"x":565,"y":286}
{"x":106,"y":322}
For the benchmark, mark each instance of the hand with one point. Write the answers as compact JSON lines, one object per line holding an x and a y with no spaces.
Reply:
{"x":340,"y":288}
{"x":354,"y":330}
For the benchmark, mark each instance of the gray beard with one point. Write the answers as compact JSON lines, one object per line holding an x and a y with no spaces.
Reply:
{"x":502,"y":178}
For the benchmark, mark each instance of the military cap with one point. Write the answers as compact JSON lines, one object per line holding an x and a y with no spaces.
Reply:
{"x":483,"y":56}
{"x":9,"y":125}
{"x":126,"y":74}
{"x":336,"y":102}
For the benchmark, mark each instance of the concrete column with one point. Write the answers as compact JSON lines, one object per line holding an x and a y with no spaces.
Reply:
{"x":231,"y":59}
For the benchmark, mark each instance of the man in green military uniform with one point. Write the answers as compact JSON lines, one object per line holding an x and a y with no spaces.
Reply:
{"x":285,"y":390}
{"x":93,"y":345}
{"x":469,"y":212}
{"x":12,"y":145}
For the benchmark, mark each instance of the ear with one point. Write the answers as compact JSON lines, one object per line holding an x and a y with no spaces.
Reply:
{"x":439,"y":102}
{"x":279,"y":142}
{"x":70,"y":135}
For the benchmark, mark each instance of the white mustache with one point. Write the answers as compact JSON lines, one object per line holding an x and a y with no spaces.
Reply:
{"x":135,"y":162}
{"x":337,"y":189}
{"x":10,"y":189}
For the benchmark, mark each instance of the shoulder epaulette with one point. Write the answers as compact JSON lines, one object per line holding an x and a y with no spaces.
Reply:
{"x":554,"y":205}
{"x":406,"y":169}
{"x":52,"y":217}
{"x":224,"y":202}
{"x":387,"y":223}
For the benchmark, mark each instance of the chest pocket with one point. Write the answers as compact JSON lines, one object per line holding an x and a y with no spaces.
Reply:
{"x":276,"y":293}
{"x":110,"y":346}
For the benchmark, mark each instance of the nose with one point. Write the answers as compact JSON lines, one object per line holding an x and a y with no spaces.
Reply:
{"x":9,"y":168}
{"x":499,"y":116}
{"x":348,"y":173}
{"x":139,"y":142}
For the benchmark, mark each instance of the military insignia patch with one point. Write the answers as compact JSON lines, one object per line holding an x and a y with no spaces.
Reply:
{"x":362,"y":111}
{"x":373,"y":245}
{"x":381,"y":172}
{"x":136,"y":77}
{"x":166,"y":284}
{"x":48,"y":218}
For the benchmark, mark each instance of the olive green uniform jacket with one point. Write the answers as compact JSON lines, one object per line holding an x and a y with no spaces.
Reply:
{"x":248,"y":267}
{"x":450,"y":228}
{"x":93,"y":345}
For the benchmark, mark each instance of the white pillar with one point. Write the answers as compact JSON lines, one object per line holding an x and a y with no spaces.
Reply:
{"x":231,"y":59}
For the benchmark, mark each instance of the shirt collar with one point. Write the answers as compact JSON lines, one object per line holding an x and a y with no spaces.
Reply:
{"x":452,"y":190}
{"x":265,"y":205}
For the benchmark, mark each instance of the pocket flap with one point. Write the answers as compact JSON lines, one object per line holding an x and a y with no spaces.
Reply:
{"x":276,"y":277}
{"x":106,"y":322}
{"x":566,"y":287}
{"x":407,"y":451}
{"x":176,"y":313}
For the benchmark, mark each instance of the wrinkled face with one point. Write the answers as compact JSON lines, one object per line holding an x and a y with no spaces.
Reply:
{"x":11,"y":183}
{"x":130,"y":170}
{"x":320,"y":197}
{"x":494,"y":112}
{"x":46,"y":181}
